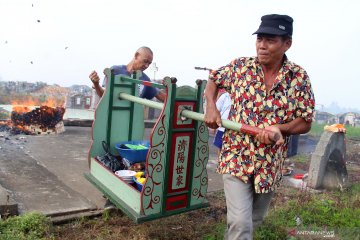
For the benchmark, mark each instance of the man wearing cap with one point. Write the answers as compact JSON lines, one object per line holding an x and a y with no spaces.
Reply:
{"x":269,"y":92}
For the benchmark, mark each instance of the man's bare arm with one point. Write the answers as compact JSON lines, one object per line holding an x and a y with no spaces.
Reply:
{"x":296,"y":126}
{"x":161,"y":96}
{"x":212,"y":115}
{"x":94,"y":77}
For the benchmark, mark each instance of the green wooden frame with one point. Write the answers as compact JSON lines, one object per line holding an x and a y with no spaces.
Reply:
{"x":118,"y":120}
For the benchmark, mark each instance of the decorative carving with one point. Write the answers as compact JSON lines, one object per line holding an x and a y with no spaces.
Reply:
{"x":200,"y":178}
{"x":156,"y":162}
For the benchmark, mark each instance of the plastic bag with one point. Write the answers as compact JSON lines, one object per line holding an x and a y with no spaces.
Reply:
{"x":110,"y":161}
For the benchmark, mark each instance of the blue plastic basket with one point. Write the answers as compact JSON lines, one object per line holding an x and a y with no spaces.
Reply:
{"x":133,"y":156}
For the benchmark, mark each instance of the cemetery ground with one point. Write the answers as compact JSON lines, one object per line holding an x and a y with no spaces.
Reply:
{"x":294,"y":214}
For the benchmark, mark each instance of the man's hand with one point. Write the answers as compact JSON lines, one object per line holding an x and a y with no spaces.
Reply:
{"x":264,"y":136}
{"x":161,"y":95}
{"x":212,"y":118}
{"x":94,"y":77}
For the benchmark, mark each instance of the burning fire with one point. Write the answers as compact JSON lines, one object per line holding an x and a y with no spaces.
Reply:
{"x":30,"y":103}
{"x":34,"y":117}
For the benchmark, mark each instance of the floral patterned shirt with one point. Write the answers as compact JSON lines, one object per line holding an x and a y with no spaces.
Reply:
{"x":290,"y":97}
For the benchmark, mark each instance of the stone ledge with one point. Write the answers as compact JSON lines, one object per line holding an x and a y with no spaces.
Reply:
{"x":89,"y":122}
{"x":8,"y":207}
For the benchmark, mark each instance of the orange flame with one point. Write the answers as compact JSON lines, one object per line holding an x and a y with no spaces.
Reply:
{"x":22,"y":108}
{"x":30,"y":103}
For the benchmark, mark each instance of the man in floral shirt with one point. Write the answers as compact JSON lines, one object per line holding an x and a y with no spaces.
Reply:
{"x":272,"y":93}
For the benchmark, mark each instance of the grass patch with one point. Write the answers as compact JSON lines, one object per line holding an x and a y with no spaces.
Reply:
{"x":25,"y":227}
{"x":330,"y":211}
{"x":270,"y":231}
{"x":217,"y":232}
{"x":352,"y":132}
{"x":300,"y":159}
{"x":205,"y":223}
{"x":317,"y":129}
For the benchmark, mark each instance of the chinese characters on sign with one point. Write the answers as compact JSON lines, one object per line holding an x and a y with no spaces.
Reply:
{"x":180,"y":162}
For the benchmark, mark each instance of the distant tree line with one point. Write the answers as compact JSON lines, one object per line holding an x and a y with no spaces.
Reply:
{"x":20,"y":87}
{"x":22,"y":97}
{"x":38,"y":93}
{"x":20,"y":92}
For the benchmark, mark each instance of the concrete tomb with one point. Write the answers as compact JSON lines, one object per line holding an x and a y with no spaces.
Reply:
{"x":328,"y":166}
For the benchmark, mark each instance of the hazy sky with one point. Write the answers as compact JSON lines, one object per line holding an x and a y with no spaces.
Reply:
{"x":62,"y":41}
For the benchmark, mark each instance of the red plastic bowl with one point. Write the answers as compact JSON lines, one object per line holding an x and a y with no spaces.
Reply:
{"x":298,"y":176}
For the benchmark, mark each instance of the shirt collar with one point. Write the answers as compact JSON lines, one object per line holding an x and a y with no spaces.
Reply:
{"x":287,"y":66}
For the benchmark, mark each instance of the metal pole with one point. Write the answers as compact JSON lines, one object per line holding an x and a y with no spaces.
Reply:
{"x":200,"y":117}
{"x":203,"y":68}
{"x":154,"y":68}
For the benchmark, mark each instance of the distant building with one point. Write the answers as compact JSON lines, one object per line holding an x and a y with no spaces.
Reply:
{"x":350,"y":119}
{"x":4,"y":114}
{"x":94,"y":99}
{"x":79,"y":101}
{"x":325,"y":117}
{"x":83,"y":89}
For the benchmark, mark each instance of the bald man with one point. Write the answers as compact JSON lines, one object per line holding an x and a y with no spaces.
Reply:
{"x":141,"y":61}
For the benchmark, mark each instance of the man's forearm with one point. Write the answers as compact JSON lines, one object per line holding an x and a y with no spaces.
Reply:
{"x":161,"y":96}
{"x":99,"y":90}
{"x":296,"y":126}
{"x":210,"y":94}
{"x":212,"y":115}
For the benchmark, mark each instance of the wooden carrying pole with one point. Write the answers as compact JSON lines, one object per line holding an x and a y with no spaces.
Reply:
{"x":244,"y":128}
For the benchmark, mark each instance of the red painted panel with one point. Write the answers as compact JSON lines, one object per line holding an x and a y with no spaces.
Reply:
{"x":176,"y":202}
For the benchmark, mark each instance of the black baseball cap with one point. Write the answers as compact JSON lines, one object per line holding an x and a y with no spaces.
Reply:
{"x":275,"y":24}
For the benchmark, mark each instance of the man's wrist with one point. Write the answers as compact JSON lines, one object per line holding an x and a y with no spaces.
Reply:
{"x":96,"y":84}
{"x":210,"y":105}
{"x":284,"y":129}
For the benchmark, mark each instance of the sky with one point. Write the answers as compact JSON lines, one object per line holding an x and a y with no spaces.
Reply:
{"x":62,"y":41}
